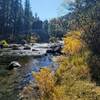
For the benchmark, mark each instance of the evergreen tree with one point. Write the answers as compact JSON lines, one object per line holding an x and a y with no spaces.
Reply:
{"x":4,"y":16}
{"x":45,"y":26}
{"x":28,"y":17}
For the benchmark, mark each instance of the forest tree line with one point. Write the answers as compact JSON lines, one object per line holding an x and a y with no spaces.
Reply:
{"x":16,"y":18}
{"x":13,"y":17}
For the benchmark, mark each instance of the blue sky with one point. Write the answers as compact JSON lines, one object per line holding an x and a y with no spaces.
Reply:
{"x":47,"y":9}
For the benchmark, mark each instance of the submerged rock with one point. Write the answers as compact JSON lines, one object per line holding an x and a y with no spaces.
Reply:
{"x":13,"y":64}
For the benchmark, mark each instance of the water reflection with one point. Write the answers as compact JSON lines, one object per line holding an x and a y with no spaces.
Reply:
{"x":12,"y":81}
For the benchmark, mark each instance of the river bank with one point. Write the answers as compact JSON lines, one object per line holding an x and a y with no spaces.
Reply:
{"x":32,"y":57}
{"x":11,"y":82}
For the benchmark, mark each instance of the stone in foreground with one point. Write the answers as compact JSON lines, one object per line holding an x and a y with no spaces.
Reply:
{"x":13,"y":64}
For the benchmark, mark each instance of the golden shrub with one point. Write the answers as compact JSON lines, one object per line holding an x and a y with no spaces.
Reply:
{"x":45,"y":82}
{"x":4,"y":43}
{"x":75,"y":79}
{"x":49,"y":90}
{"x":72,"y":43}
{"x":59,"y":93}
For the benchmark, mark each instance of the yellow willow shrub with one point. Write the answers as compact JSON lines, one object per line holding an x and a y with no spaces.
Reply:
{"x":45,"y":82}
{"x":59,"y":93}
{"x":72,"y":68}
{"x":47,"y":87}
{"x":74,"y":78}
{"x":83,"y":90}
{"x":72,"y":43}
{"x":65,"y":71}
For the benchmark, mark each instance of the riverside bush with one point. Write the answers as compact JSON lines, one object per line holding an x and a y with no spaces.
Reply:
{"x":74,"y":71}
{"x":72,"y":43}
{"x":47,"y":88}
{"x":4,"y":43}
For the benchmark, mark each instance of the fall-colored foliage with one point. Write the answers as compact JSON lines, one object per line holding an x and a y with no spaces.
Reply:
{"x":45,"y":82}
{"x":72,"y":43}
{"x":47,"y":88}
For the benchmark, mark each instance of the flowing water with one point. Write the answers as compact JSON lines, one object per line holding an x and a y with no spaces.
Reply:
{"x":11,"y":82}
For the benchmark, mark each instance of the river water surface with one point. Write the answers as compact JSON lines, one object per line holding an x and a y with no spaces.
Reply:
{"x":11,"y":82}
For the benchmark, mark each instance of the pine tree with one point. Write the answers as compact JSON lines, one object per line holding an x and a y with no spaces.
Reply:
{"x":4,"y":16}
{"x":28,"y":17}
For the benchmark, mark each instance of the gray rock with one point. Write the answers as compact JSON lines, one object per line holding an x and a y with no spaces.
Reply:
{"x":13,"y":64}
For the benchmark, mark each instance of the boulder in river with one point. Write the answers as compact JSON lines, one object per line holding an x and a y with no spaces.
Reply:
{"x":54,"y":49}
{"x":13,"y":64}
{"x":27,"y":47}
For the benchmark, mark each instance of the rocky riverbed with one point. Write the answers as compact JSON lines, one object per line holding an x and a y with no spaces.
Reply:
{"x":11,"y":82}
{"x":35,"y":50}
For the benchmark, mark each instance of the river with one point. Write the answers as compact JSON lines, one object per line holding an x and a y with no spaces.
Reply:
{"x":11,"y":82}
